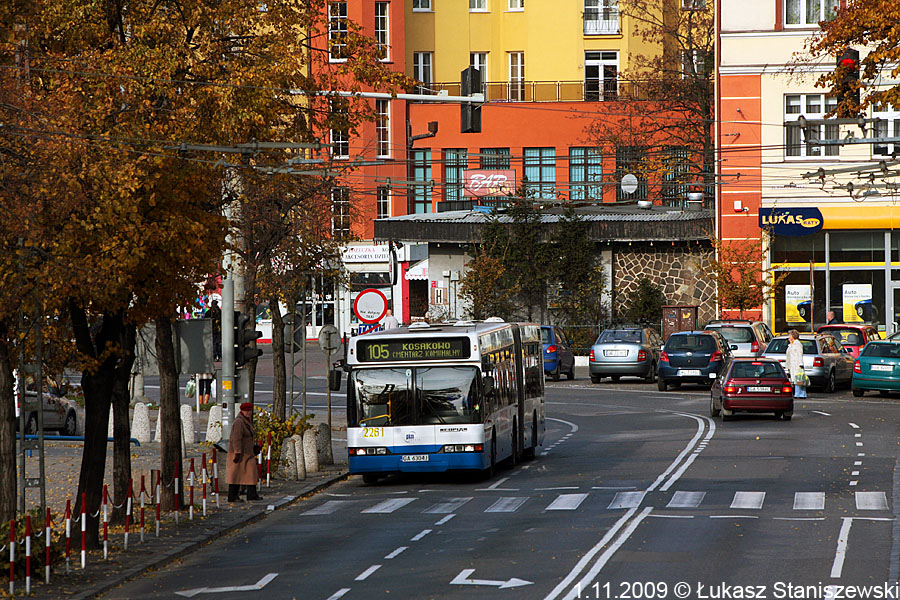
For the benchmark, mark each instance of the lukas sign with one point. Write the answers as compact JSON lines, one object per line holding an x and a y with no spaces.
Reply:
{"x":791,"y":220}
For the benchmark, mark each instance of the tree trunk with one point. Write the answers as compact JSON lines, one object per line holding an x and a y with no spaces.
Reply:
{"x":7,"y":431}
{"x":97,"y":385}
{"x":279,"y":373}
{"x":169,"y":413}
{"x":121,"y":401}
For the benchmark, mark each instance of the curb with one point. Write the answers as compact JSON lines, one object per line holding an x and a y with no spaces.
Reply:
{"x":193,"y":543}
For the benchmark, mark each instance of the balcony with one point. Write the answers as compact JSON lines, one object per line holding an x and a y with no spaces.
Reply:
{"x":601,"y":22}
{"x":548,"y":91}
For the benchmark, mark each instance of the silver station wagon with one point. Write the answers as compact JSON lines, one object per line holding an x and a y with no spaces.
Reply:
{"x":625,"y":351}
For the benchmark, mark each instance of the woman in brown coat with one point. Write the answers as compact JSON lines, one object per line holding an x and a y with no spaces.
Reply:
{"x":242,"y":469}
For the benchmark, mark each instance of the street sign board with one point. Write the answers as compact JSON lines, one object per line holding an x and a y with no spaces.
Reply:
{"x":370,"y":306}
{"x":329,"y":339}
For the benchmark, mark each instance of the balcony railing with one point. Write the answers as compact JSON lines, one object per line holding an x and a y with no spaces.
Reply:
{"x":601,"y":22}
{"x":549,"y":91}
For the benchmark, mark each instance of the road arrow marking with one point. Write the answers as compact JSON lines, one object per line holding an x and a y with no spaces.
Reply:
{"x":239,"y":588}
{"x":463,"y":579}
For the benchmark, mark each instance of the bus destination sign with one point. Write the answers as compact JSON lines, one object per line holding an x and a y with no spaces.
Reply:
{"x":421,"y":349}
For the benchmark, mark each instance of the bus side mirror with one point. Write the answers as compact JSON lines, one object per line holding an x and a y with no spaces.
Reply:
{"x":334,"y":380}
{"x":488,"y":384}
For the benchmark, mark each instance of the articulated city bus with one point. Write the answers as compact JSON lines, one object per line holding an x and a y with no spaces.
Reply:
{"x":437,"y":397}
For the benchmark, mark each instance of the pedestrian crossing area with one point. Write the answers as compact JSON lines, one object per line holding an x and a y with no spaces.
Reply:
{"x":740,"y":500}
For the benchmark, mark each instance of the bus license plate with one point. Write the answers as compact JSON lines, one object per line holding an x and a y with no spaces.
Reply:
{"x":882,"y":367}
{"x":688,"y":372}
{"x":414,"y":458}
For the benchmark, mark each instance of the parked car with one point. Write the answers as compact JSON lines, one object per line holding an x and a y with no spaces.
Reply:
{"x":625,"y":351}
{"x":752,"y":385}
{"x":558,"y":356}
{"x":745,"y":338}
{"x":692,"y":357}
{"x":877,"y":368}
{"x":851,"y":337}
{"x":59,"y":414}
{"x":826,"y":363}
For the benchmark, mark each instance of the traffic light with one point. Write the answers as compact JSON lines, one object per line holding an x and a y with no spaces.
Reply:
{"x":847,"y":83}
{"x":244,"y":335}
{"x":470,"y":114}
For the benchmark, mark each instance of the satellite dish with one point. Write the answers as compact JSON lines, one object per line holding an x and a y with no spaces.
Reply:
{"x":629,"y":183}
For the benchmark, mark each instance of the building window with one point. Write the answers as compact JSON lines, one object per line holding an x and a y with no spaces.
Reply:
{"x":810,"y":106}
{"x":601,"y":76}
{"x":382,"y":202}
{"x":695,"y":63}
{"x":383,"y":127}
{"x":516,"y":4}
{"x":540,"y":172}
{"x":630,"y":159}
{"x":478,"y":5}
{"x":601,"y":17}
{"x":421,"y":5}
{"x":337,"y":30}
{"x":422,"y":70}
{"x":420,"y":189}
{"x":479,"y":60}
{"x":585,"y":174}
{"x":495,"y":158}
{"x":456,"y":160}
{"x":675,"y":176}
{"x":340,"y":136}
{"x":693,"y":4}
{"x":517,"y":76}
{"x":382,"y":29}
{"x":340,"y":213}
{"x":888,"y":126}
{"x":808,"y":13}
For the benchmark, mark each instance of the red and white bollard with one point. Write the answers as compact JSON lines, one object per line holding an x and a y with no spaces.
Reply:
{"x":216,"y":476}
{"x":158,"y":498}
{"x":83,"y":531}
{"x":191,"y":487}
{"x":177,"y":493}
{"x":128,"y":507}
{"x":12,"y":557}
{"x":68,"y":531}
{"x":105,"y":522}
{"x":269,"y":460}
{"x":47,"y":547}
{"x":143,"y":495}
{"x":27,"y":554}
{"x":205,"y":478}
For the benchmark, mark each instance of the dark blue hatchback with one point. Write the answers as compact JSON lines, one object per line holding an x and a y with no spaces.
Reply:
{"x":558,"y":356}
{"x":692,"y":357}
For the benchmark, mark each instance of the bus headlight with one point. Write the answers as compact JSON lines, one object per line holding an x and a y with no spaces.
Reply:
{"x":367,"y":451}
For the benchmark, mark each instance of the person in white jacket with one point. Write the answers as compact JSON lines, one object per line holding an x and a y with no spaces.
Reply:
{"x":793,"y":361}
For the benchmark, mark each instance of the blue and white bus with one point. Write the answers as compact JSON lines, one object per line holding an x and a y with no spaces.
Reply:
{"x":438,"y":397}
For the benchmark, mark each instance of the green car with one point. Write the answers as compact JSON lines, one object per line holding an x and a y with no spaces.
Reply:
{"x":877,"y":368}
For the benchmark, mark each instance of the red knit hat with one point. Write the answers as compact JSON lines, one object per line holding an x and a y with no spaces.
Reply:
{"x":247,"y":406}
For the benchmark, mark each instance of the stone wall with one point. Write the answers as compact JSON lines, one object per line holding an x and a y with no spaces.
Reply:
{"x":680,"y":270}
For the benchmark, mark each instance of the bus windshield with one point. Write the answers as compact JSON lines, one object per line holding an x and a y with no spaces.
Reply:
{"x":416,"y":396}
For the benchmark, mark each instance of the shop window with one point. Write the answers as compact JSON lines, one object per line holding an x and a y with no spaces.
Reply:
{"x":799,"y":249}
{"x":856,"y":246}
{"x":895,"y":249}
{"x":857,"y":296}
{"x":808,"y":313}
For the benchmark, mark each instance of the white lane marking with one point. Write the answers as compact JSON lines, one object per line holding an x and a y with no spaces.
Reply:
{"x":626,"y":500}
{"x":388,"y":506}
{"x":871,"y":501}
{"x":748,"y":500}
{"x":672,"y":516}
{"x":420,"y":535}
{"x":821,"y":413}
{"x":572,"y":425}
{"x":614,"y":487}
{"x":506,"y":505}
{"x":858,"y":435}
{"x":463,"y":579}
{"x":686,"y":500}
{"x":234,"y":588}
{"x":447,"y":507}
{"x":567,"y":502}
{"x":338,"y":594}
{"x":857,"y":463}
{"x":328,"y":507}
{"x":362,"y":576}
{"x":860,"y":453}
{"x":693,"y":453}
{"x":496,"y":484}
{"x":396,"y":552}
{"x":733,"y":517}
{"x":553,"y":489}
{"x":854,"y":482}
{"x":445,"y":519}
{"x":809,"y":501}
{"x":853,"y":425}
{"x":798,"y":518}
{"x":841,"y":553}
{"x":859,"y":443}
{"x":854,"y":473}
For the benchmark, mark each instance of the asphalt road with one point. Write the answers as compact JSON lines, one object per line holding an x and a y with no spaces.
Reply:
{"x":635,"y":494}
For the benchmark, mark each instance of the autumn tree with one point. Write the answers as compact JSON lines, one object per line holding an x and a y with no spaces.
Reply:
{"x":742,"y":280}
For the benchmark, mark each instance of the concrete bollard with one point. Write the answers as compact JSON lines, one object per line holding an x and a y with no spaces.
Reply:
{"x":287,"y":463}
{"x":157,"y":435}
{"x":187,"y":424}
{"x":140,"y":423}
{"x":214,"y":425}
{"x":323,"y":444}
{"x":299,"y":458}
{"x":310,"y":452}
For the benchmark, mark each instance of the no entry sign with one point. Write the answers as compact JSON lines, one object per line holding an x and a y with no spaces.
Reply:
{"x":370,"y":306}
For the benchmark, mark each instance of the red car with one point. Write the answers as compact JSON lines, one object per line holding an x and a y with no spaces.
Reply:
{"x":752,"y":385}
{"x":851,"y":337}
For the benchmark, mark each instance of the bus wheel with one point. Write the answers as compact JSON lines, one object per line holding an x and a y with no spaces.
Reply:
{"x":493,"y":468}
{"x":530,"y":452}
{"x":514,"y":458}
{"x":370,"y":478}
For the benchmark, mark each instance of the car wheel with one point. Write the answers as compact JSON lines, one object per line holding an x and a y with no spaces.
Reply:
{"x":370,"y":478}
{"x":555,"y":375}
{"x":651,"y":375}
{"x":31,"y":427}
{"x":661,"y":385}
{"x":881,"y":393}
{"x":615,"y":378}
{"x":727,"y":414}
{"x":70,"y":427}
{"x":571,"y":374}
{"x":786,"y":415}
{"x":829,"y":383}
{"x":858,"y":392}
{"x":595,"y":378}
{"x":713,"y":411}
